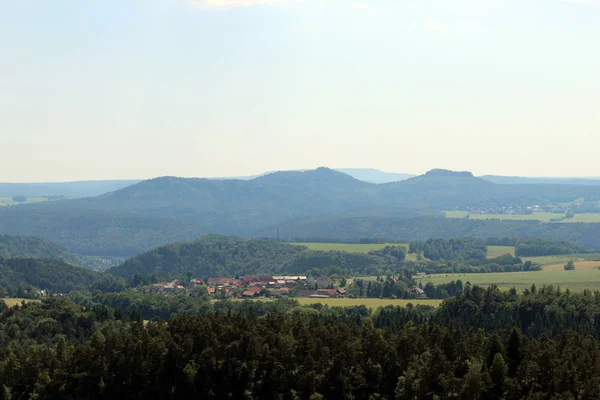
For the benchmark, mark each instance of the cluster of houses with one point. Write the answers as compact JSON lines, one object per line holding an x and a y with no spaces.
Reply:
{"x":256,"y":285}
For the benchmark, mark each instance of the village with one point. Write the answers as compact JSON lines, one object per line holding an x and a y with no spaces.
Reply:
{"x":252,"y":286}
{"x":256,"y":285}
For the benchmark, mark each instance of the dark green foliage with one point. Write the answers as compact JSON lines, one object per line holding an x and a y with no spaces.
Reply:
{"x":20,"y":246}
{"x":569,"y":266}
{"x":56,"y":349}
{"x":452,"y":249}
{"x":390,"y":251}
{"x":540,"y":247}
{"x":18,"y":275}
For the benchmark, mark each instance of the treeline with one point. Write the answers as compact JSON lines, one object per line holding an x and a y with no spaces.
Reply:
{"x":541,"y":247}
{"x":21,"y":277}
{"x":364,"y":240}
{"x":56,"y":349}
{"x":476,"y":249}
{"x":380,"y":288}
{"x":451,"y":249}
{"x":146,"y":305}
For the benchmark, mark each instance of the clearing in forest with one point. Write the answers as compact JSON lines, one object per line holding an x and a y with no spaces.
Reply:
{"x":12,"y":301}
{"x":497,"y":251}
{"x":350,"y":247}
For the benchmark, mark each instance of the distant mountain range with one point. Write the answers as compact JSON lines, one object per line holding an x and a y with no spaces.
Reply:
{"x":516,"y":180}
{"x":370,"y":175}
{"x":168,"y":209}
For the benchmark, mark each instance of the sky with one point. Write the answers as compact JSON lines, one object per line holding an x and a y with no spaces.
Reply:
{"x":115,"y":89}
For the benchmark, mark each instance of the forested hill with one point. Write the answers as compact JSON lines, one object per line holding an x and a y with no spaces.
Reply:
{"x":19,"y":276}
{"x":33,"y":247}
{"x":222,"y":256}
{"x":164,"y":210}
{"x":583,"y":234}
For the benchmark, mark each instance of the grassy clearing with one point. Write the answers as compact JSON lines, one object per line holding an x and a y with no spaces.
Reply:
{"x":350,"y":248}
{"x":562,"y":259}
{"x":497,"y":251}
{"x":12,"y":301}
{"x":537,"y":216}
{"x":577,"y":280}
{"x":584,"y":218}
{"x":412,"y":257}
{"x":579,"y":265}
{"x":549,"y":260}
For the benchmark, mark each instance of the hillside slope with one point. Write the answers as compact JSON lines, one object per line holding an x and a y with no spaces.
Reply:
{"x":584,"y":234}
{"x":223,"y":256}
{"x":19,"y":273}
{"x":33,"y":247}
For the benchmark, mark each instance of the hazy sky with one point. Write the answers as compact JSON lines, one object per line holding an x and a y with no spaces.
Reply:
{"x":103,"y":89}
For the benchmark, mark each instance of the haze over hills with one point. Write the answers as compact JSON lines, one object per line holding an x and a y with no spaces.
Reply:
{"x":517,"y":180}
{"x":66,"y":189}
{"x":371,"y":175}
{"x":167,"y":209}
{"x":98,"y":187}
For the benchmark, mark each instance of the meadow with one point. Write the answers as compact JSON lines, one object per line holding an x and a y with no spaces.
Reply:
{"x":12,"y":301}
{"x":562,"y":259}
{"x":350,"y":247}
{"x":537,"y":216}
{"x":497,"y":251}
{"x":587,"y":276}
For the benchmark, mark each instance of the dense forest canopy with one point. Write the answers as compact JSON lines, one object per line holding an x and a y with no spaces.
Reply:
{"x":27,"y":246}
{"x":20,"y":277}
{"x":539,"y":247}
{"x":322,"y":203}
{"x":481,"y":344}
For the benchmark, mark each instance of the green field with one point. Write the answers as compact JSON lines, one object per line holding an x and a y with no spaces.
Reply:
{"x":584,"y":218}
{"x":11,"y":301}
{"x":577,"y":280}
{"x":497,"y":251}
{"x":537,"y":216}
{"x":350,"y":248}
{"x":8,"y":201}
{"x":549,"y":260}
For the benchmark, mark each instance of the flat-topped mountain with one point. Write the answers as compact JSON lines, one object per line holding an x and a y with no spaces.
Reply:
{"x":168,"y":209}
